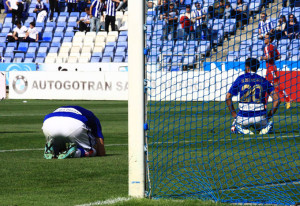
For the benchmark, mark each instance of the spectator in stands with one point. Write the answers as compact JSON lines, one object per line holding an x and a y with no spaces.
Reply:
{"x":163,"y":8}
{"x":110,"y":18}
{"x":227,"y":11}
{"x":199,"y":20}
{"x":96,"y":12}
{"x":19,"y":32}
{"x":281,"y":27}
{"x":292,"y":29}
{"x":180,"y":4}
{"x":16,"y":7}
{"x":217,"y":9}
{"x":84,"y":22}
{"x":292,"y":3}
{"x":41,"y":10}
{"x":53,"y":7}
{"x":72,"y":5}
{"x":171,"y":19}
{"x":264,"y":26}
{"x":240,"y":13}
{"x":32,"y":34}
{"x":186,"y":23}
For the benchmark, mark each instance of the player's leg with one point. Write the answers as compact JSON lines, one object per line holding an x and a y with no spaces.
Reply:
{"x":279,"y":88}
{"x":241,"y":126}
{"x":264,"y":125}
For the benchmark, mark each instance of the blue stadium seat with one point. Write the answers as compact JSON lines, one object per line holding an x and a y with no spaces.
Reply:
{"x":3,"y":35}
{"x":106,"y":59}
{"x":22,"y":55}
{"x":119,"y":59}
{"x":72,"y":24}
{"x":111,"y":44}
{"x":230,"y":26}
{"x":295,"y":44}
{"x":39,"y":29}
{"x":23,"y":46}
{"x":76,"y":14}
{"x":179,"y":49}
{"x":109,"y":49}
{"x":56,"y":44}
{"x":28,"y":60}
{"x":7,"y":25}
{"x":61,"y":24}
{"x":57,"y":39}
{"x":123,"y":33}
{"x":125,"y":44}
{"x":64,"y":14}
{"x":123,"y":49}
{"x":2,"y":44}
{"x":153,"y":59}
{"x":67,"y":39}
{"x":95,"y":59}
{"x":29,"y":19}
{"x":126,"y":59}
{"x":27,"y":24}
{"x":82,"y":14}
{"x":47,"y":37}
{"x":9,"y":49}
{"x":8,"y":59}
{"x":120,"y":54}
{"x":42,"y":52}
{"x":51,"y":24}
{"x":45,"y":44}
{"x":53,"y":49}
{"x":70,"y":29}
{"x":108,"y":54}
{"x":283,"y":49}
{"x":97,"y":54}
{"x":2,"y":49}
{"x":72,"y":19}
{"x":39,"y":24}
{"x":12,"y":44}
{"x":18,"y":60}
{"x":69,"y":34}
{"x":6,"y":30}
{"x":32,"y":15}
{"x":49,"y":29}
{"x":39,"y":60}
{"x":122,"y":38}
{"x":255,"y":6}
{"x":62,"y":19}
{"x":34,"y":44}
{"x":9,"y":54}
{"x":30,"y":55}
{"x":177,"y":59}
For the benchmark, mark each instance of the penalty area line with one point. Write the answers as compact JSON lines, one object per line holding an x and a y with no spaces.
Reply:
{"x":108,"y":202}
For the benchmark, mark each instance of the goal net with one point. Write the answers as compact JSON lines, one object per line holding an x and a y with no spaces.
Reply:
{"x":196,"y":49}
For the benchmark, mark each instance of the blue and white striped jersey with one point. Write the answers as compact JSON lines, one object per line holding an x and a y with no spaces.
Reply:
{"x":265,"y":26}
{"x":72,"y":1}
{"x":252,"y":89}
{"x":81,"y":114}
{"x":98,"y":8}
{"x":197,"y":13}
{"x":111,"y":8}
{"x":41,"y":5}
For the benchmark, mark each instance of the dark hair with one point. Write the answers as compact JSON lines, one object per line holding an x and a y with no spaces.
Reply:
{"x":17,"y":22}
{"x":242,"y":1}
{"x":32,"y":23}
{"x":294,"y":18}
{"x":253,"y":64}
{"x":271,"y":36}
{"x":283,"y":17}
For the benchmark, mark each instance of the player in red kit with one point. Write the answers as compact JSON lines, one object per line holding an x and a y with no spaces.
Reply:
{"x":272,"y":54}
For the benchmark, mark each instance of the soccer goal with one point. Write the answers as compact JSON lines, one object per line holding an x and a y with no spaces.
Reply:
{"x":199,"y":127}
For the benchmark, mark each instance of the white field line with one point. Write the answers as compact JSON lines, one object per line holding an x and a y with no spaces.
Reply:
{"x":157,"y":143}
{"x":108,"y":202}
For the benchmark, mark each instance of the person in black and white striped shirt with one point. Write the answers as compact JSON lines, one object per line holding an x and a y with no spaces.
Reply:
{"x":111,"y":14}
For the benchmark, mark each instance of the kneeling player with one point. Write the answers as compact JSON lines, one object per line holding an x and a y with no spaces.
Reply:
{"x":252,"y":109}
{"x":72,"y":131}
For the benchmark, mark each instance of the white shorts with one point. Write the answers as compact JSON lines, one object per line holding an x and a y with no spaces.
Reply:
{"x":60,"y":130}
{"x":257,"y":122}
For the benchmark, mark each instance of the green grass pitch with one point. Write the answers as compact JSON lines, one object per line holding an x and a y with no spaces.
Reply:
{"x":28,"y":179}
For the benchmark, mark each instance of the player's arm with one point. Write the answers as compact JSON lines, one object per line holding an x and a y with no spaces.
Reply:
{"x":276,"y":103}
{"x":100,"y":147}
{"x":230,"y":105}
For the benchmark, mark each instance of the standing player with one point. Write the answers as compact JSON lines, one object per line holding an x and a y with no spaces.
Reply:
{"x":252,"y":111}
{"x":72,"y":131}
{"x":272,"y":54}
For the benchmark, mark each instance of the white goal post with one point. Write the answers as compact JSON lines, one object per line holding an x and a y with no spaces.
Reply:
{"x":136,"y":110}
